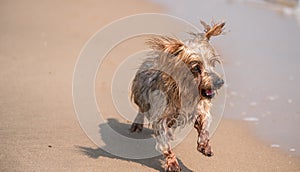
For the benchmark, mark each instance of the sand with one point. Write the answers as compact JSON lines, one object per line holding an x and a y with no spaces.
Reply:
{"x":39,"y":130}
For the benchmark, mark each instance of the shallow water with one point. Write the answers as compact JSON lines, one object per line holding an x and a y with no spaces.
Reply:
{"x":261,"y":59}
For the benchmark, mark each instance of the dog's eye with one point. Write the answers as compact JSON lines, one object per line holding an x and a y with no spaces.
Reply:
{"x":197,"y":69}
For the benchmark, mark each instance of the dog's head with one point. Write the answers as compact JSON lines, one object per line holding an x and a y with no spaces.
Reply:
{"x":209,"y":80}
{"x":197,"y":54}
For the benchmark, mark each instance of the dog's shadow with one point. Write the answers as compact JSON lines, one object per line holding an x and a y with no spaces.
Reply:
{"x":123,"y":129}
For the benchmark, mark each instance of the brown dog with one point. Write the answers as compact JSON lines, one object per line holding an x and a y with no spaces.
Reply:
{"x":175,"y":87}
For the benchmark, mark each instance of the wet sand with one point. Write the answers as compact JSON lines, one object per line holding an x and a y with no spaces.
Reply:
{"x":40,"y":43}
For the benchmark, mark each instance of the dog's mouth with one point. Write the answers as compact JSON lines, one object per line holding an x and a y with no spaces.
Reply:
{"x":208,"y":93}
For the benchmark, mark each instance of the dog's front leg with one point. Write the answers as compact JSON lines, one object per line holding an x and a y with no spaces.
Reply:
{"x":172,"y":164}
{"x":201,"y":124}
{"x":164,"y":135}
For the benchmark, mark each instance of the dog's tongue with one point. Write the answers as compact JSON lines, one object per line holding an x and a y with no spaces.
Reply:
{"x":209,"y":92}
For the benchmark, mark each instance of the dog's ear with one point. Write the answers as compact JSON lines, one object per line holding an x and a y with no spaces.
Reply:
{"x":166,"y":44}
{"x":214,"y":30}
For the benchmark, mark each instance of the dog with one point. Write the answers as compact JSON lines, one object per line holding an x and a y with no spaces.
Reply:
{"x":175,"y":87}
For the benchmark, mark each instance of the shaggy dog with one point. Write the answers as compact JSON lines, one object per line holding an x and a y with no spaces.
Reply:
{"x":175,"y":87}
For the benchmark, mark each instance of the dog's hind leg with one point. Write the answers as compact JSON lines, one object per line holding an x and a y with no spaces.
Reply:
{"x":137,"y":125}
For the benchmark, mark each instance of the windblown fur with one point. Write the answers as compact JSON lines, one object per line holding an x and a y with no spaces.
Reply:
{"x":175,"y":86}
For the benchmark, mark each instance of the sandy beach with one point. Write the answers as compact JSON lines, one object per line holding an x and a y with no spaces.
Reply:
{"x":39,"y":45}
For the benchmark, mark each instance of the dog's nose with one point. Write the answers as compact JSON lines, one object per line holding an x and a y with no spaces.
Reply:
{"x":218,"y":83}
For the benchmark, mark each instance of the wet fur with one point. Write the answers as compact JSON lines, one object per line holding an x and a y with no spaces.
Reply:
{"x":175,"y":87}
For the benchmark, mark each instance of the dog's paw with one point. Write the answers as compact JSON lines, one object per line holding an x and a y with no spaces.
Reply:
{"x":135,"y":127}
{"x":205,"y":149}
{"x":172,"y":164}
{"x":173,"y":167}
{"x":208,"y":151}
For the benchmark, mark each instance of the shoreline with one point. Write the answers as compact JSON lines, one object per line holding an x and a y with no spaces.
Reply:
{"x":256,"y":63}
